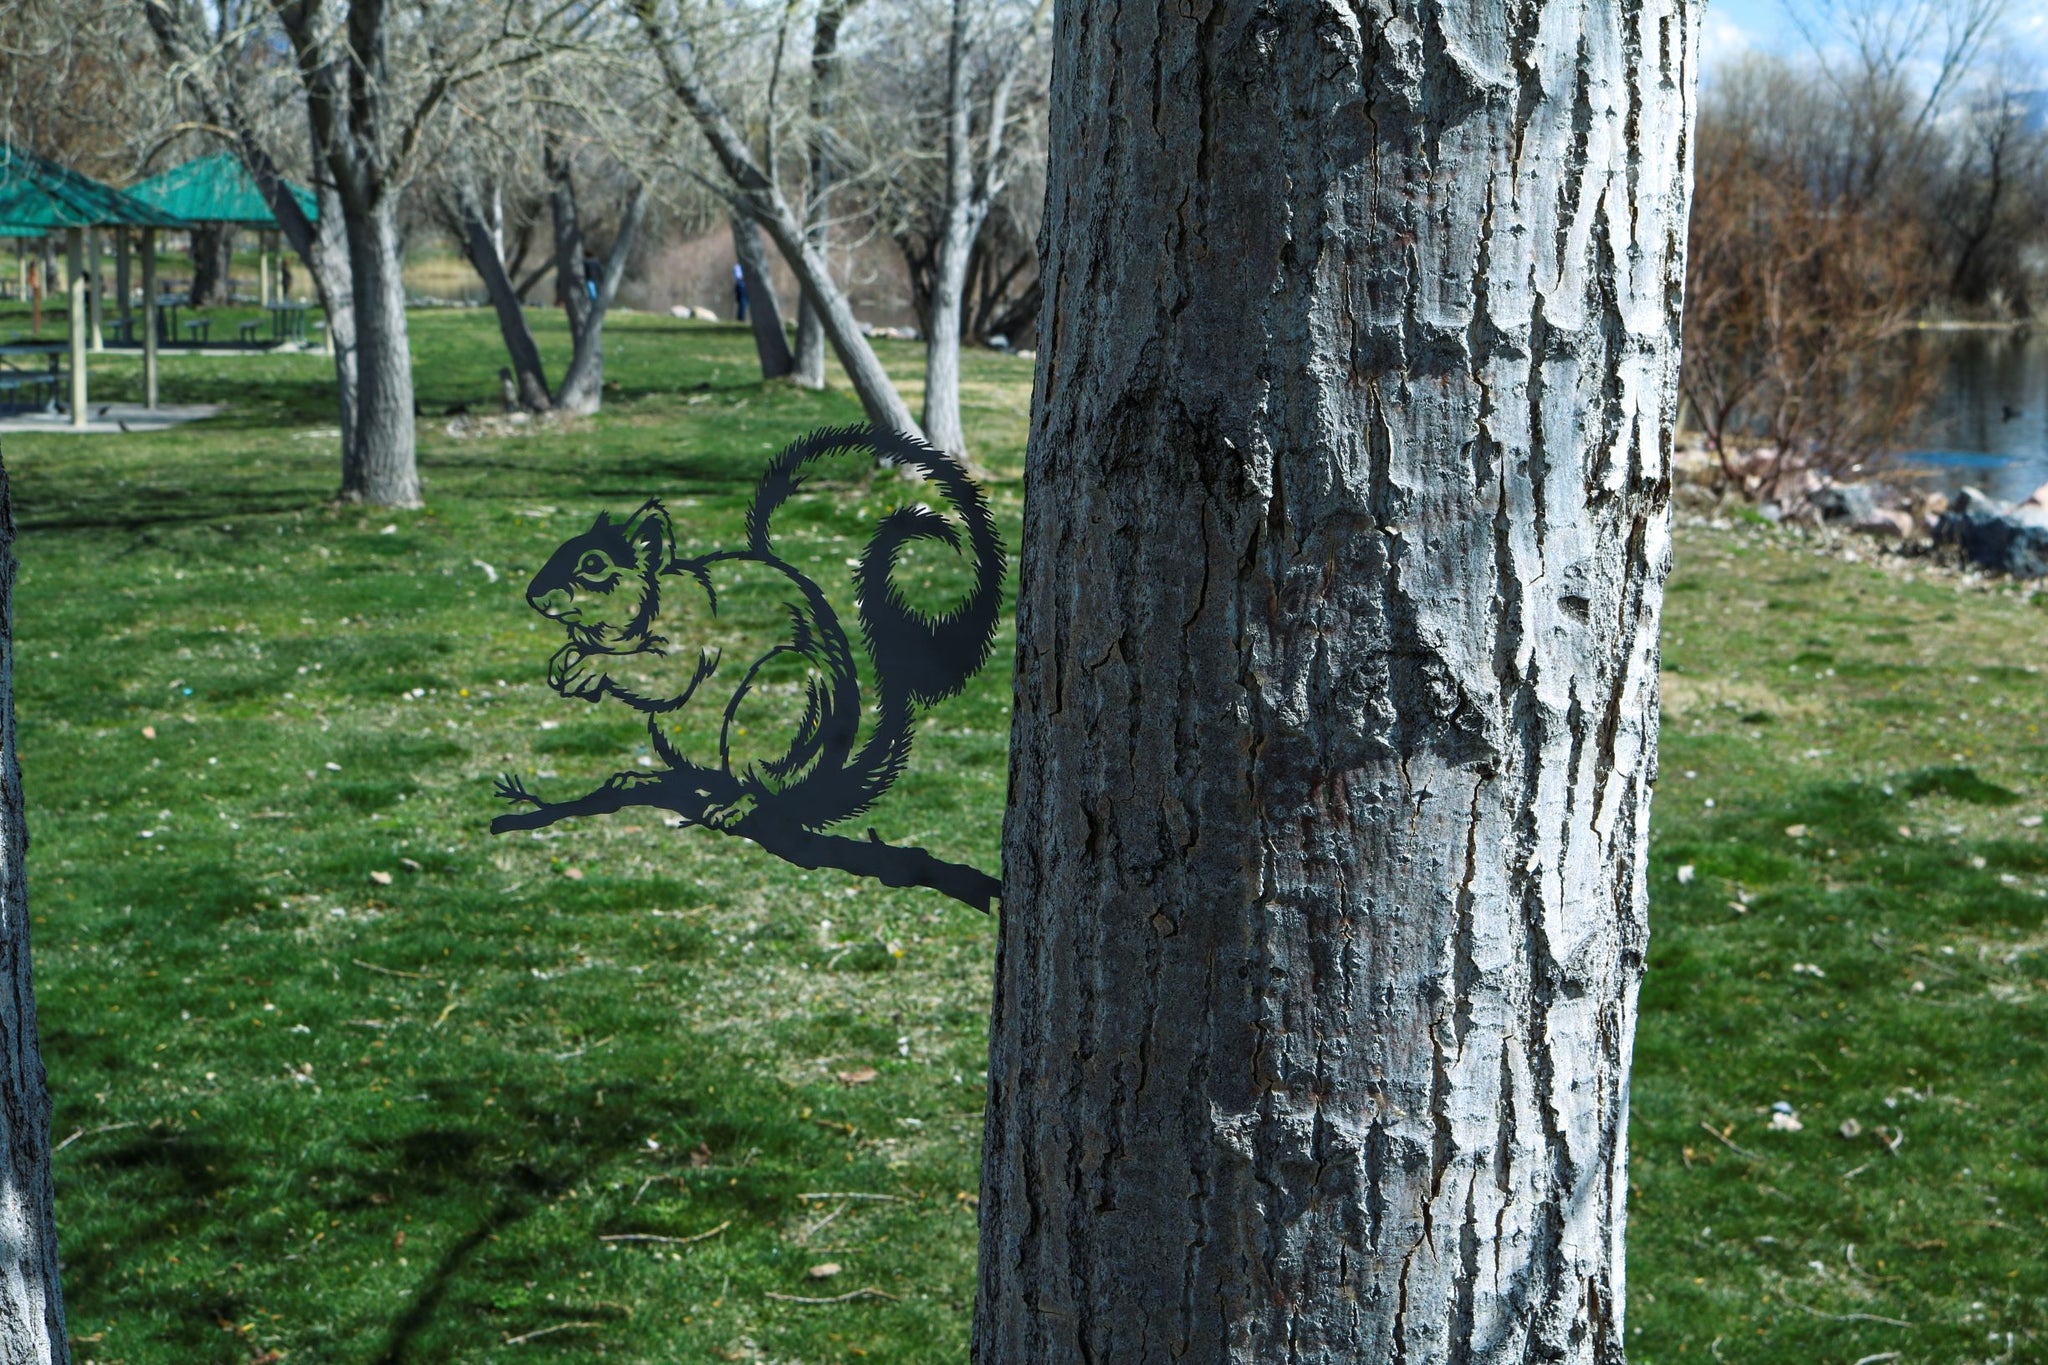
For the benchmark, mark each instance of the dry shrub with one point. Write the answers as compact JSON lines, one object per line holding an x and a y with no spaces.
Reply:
{"x":1797,"y":314}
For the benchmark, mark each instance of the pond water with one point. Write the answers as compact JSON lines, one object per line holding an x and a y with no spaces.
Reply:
{"x":1988,"y":424}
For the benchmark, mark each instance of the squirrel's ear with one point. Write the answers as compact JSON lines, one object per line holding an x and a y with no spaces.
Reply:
{"x":653,"y":536}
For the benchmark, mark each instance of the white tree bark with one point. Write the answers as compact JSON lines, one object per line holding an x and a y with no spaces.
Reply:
{"x":31,"y":1299}
{"x":972,"y":184}
{"x":1345,"y":532}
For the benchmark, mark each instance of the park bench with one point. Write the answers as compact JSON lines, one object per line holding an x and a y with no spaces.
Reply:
{"x":248,"y":331}
{"x":198,"y":328}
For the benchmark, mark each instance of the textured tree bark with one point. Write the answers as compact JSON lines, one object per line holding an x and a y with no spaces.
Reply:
{"x":770,"y":343}
{"x":1345,"y":533}
{"x":31,"y":1298}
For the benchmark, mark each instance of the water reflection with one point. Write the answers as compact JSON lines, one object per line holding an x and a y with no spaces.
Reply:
{"x":1988,"y":424}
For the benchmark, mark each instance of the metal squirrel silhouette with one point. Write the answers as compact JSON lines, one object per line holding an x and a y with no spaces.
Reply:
{"x":790,"y":760}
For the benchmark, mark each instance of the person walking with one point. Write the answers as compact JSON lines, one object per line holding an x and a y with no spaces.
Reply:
{"x":739,"y":292}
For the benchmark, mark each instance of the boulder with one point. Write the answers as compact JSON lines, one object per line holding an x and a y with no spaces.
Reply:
{"x":1845,"y":502}
{"x":1884,"y":521}
{"x":2012,"y":541}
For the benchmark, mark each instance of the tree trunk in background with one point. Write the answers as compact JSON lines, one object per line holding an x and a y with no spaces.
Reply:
{"x":825,"y":69}
{"x":1345,"y":535}
{"x":486,"y":253}
{"x":587,"y":300}
{"x":385,"y":471}
{"x":212,"y":244}
{"x":769,"y":342}
{"x":964,"y":212}
{"x":31,"y":1299}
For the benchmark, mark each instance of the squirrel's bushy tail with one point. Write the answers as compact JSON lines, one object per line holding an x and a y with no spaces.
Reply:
{"x":920,"y":658}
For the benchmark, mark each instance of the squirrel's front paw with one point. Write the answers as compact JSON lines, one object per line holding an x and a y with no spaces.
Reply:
{"x":575,"y":674}
{"x":728,"y":816}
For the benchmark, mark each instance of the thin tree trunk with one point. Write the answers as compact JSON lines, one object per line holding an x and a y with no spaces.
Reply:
{"x":1346,"y":528}
{"x":32,"y":1328}
{"x":582,"y":388}
{"x":942,"y":349}
{"x":385,"y":471}
{"x":327,"y":261}
{"x":769,"y":342}
{"x":957,"y":229}
{"x":486,"y":254}
{"x":809,"y":360}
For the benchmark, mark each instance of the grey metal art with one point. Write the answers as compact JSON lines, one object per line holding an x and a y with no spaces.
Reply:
{"x":641,"y":619}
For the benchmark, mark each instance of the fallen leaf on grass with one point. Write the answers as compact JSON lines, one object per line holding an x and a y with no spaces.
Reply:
{"x":823,"y":1271}
{"x":1795,"y":831}
{"x":1685,"y":874}
{"x":1851,"y":1128}
{"x":860,"y":1075}
{"x":574,"y":874}
{"x":381,"y":878}
{"x":149,"y":732}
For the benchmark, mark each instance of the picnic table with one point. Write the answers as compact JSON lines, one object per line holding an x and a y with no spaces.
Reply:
{"x":15,"y":380}
{"x":288,"y":321}
{"x":167,"y":306}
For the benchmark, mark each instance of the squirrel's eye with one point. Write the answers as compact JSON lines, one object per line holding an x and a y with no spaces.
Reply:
{"x":592,"y":564}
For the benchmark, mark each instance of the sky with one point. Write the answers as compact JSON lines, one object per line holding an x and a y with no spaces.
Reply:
{"x":1733,"y":27}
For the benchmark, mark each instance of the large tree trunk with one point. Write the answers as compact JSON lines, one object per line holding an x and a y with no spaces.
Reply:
{"x":385,"y":471}
{"x":485,"y":252}
{"x":769,"y":342}
{"x":31,"y":1299}
{"x":1345,"y":535}
{"x":212,"y":245}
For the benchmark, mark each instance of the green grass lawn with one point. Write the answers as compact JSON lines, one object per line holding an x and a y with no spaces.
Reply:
{"x":341,"y":1076}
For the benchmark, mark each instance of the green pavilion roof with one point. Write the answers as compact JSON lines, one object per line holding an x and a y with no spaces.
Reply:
{"x":37,"y":195}
{"x":216,"y":189}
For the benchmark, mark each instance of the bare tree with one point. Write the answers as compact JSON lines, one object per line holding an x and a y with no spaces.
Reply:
{"x":1325,"y":854}
{"x":216,"y":56}
{"x":976,"y":170}
{"x":752,"y":184}
{"x":588,"y":284}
